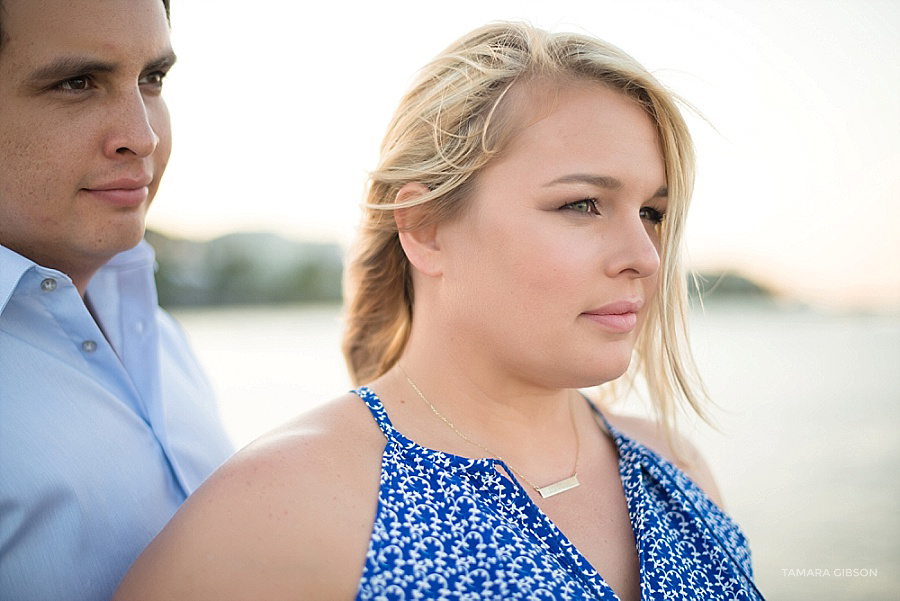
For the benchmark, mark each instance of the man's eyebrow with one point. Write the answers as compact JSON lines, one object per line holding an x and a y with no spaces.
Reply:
{"x":71,"y":66}
{"x":600,"y":181}
{"x":165,"y":61}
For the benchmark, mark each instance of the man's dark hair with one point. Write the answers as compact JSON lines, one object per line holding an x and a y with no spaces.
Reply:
{"x":3,"y":36}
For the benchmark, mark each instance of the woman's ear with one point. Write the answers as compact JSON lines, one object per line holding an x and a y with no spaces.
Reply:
{"x":419,"y":242}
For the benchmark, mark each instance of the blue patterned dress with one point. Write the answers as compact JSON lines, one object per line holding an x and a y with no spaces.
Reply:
{"x":448,"y":527}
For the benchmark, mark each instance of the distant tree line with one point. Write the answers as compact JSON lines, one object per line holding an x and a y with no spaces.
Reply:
{"x":245,"y":268}
{"x":263,"y":268}
{"x":726,"y":285}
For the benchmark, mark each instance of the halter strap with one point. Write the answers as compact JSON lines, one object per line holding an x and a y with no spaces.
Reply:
{"x":376,"y":407}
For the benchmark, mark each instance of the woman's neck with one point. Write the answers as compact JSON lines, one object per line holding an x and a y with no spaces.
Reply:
{"x":473,"y":413}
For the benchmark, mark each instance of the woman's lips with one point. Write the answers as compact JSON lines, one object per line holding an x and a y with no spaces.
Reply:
{"x":616,"y":322}
{"x":619,"y":317}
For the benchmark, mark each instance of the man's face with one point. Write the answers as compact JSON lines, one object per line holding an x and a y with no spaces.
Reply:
{"x":84,"y":131}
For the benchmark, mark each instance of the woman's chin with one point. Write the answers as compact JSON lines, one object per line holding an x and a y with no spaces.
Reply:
{"x":599,"y":373}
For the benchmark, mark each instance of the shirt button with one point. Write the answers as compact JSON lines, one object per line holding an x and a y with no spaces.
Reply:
{"x":89,"y":346}
{"x":48,"y":285}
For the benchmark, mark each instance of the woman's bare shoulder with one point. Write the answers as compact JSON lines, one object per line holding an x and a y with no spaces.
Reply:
{"x":677,"y":449}
{"x":331,"y":439}
{"x":289,"y":516}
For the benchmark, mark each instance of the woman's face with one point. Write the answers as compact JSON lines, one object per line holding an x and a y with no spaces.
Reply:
{"x":549,"y":273}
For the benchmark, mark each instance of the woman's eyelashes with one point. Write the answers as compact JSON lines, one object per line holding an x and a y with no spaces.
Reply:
{"x":585,"y":206}
{"x":589,"y":206}
{"x":653,"y":215}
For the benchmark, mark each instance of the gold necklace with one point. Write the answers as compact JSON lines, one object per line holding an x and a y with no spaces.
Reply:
{"x":554,"y":488}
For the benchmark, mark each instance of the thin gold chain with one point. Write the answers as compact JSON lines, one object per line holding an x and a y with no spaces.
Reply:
{"x":481,"y":446}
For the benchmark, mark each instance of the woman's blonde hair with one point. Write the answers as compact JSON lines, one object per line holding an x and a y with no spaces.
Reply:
{"x":449,"y":125}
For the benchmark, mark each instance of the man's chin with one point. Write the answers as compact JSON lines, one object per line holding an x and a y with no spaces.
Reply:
{"x":119,"y":239}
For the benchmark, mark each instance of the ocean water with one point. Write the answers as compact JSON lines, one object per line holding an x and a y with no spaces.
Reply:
{"x":806,"y":448}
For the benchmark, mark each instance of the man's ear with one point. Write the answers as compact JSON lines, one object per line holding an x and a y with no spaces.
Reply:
{"x":419,"y":242}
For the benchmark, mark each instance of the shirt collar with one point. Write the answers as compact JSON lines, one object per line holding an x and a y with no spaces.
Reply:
{"x":13,"y":266}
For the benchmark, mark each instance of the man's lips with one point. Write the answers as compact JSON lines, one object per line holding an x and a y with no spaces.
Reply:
{"x":618,"y":316}
{"x":128,"y":192}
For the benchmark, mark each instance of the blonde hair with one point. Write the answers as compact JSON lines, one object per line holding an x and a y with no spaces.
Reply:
{"x":448,"y":126}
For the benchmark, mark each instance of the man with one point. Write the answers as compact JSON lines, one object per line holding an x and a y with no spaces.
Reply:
{"x":106,"y":422}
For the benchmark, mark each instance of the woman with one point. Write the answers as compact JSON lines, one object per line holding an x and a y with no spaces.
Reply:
{"x":520,"y":241}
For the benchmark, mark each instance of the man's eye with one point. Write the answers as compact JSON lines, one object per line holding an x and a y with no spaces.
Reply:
{"x":74,"y":84}
{"x":153,"y":79}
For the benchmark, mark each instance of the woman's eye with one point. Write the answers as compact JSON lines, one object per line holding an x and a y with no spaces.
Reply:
{"x":586,"y":206}
{"x":654,"y":216}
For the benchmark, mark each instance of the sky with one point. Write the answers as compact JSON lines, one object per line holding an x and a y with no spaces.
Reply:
{"x":278,"y":109}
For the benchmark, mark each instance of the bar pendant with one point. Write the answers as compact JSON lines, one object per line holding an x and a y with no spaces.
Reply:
{"x":558,"y":487}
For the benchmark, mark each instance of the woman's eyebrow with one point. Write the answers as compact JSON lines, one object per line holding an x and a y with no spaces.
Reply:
{"x":600,"y":181}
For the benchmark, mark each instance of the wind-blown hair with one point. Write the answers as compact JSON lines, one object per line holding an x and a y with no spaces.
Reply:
{"x":447,"y":128}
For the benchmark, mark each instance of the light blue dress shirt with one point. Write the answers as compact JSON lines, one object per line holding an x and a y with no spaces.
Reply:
{"x":103,"y":434}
